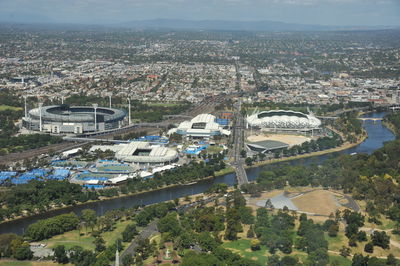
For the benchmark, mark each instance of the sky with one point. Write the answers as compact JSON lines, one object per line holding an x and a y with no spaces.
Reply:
{"x":321,"y":12}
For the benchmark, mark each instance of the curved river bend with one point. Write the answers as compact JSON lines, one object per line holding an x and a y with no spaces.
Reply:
{"x":377,"y":135}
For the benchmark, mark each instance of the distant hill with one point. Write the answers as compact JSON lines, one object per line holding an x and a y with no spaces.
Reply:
{"x":265,"y":25}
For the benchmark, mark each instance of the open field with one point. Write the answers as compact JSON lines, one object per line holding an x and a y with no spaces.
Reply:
{"x":336,"y":243}
{"x":312,"y":201}
{"x":242,"y":247}
{"x":288,"y":139}
{"x":27,"y":263}
{"x":318,"y":201}
{"x":72,"y":238}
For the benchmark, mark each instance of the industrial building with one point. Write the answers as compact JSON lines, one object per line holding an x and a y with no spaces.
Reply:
{"x":201,"y":126}
{"x":141,"y":153}
{"x":283,"y":120}
{"x":61,"y":119}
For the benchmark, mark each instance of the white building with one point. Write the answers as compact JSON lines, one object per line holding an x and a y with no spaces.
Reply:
{"x":141,"y":153}
{"x":202,"y":126}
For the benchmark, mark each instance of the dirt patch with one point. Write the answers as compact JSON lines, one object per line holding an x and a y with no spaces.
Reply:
{"x":265,"y":195}
{"x":288,"y":139}
{"x":318,"y":202}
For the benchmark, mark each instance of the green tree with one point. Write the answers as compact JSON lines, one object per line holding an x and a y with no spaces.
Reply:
{"x":23,"y":252}
{"x":369,"y":247}
{"x":318,"y":257}
{"x":99,"y":244}
{"x":380,"y":239}
{"x":89,"y":217}
{"x":60,"y":255}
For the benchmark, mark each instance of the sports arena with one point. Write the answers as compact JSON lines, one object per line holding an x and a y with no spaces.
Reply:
{"x":201,"y":126}
{"x":284,"y":120}
{"x":73,"y":119}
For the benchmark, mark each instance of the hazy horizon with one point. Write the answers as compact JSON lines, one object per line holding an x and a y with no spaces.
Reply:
{"x":103,"y":12}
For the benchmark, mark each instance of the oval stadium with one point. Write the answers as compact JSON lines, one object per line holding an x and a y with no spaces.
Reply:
{"x":283,"y":120}
{"x":73,"y":119}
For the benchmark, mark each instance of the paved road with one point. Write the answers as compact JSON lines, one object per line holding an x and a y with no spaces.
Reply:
{"x":151,"y":228}
{"x":147,"y":232}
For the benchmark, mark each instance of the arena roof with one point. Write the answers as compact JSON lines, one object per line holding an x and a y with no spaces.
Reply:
{"x":284,"y":119}
{"x":66,"y":113}
{"x":140,"y":152}
{"x":201,"y":125}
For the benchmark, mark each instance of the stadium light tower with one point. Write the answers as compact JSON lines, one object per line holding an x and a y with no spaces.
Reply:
{"x":26,"y":110}
{"x":40,"y":116}
{"x":62,"y":99}
{"x":129,"y":111}
{"x":110,"y":99}
{"x":95,"y":105}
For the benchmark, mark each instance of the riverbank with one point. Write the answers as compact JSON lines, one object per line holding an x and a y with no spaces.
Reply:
{"x":225,"y":171}
{"x":390,"y":126}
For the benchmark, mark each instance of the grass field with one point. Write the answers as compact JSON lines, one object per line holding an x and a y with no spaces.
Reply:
{"x":242,"y":247}
{"x":26,"y":263}
{"x":7,"y":107}
{"x":214,"y":149}
{"x":336,"y":243}
{"x":341,"y":260}
{"x":72,"y":238}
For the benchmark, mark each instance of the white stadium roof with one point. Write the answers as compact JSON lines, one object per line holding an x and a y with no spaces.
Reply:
{"x":140,"y":152}
{"x":284,"y":119}
{"x":203,"y":125}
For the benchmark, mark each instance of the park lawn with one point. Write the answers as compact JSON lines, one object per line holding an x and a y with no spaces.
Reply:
{"x":336,"y":243}
{"x":7,"y":262}
{"x":7,"y":107}
{"x":242,"y":247}
{"x":112,"y":236}
{"x":72,"y":238}
{"x":342,"y":260}
{"x":394,"y":237}
{"x":386,"y":224}
{"x":378,"y":251}
{"x":224,"y":171}
{"x":214,"y":149}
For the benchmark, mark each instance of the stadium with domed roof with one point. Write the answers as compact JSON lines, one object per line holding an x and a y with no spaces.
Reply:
{"x":284,"y":120}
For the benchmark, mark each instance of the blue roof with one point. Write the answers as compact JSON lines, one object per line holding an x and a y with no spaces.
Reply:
{"x":94,"y":186}
{"x":196,"y":151}
{"x":222,"y":122}
{"x":7,"y":174}
{"x":61,"y":172}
